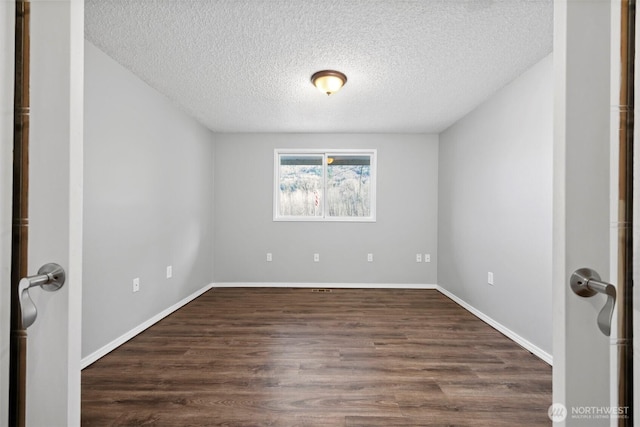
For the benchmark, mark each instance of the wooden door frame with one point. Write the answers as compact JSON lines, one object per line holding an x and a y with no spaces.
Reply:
{"x":20,"y":213}
{"x":626,"y":113}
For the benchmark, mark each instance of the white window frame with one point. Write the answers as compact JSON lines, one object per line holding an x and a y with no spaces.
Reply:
{"x":278,"y":152}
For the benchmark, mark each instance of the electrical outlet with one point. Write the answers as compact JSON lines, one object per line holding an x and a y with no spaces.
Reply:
{"x":370,"y":257}
{"x":136,"y":284}
{"x":490,"y":278}
{"x":418,"y":257}
{"x":269,"y":257}
{"x":427,"y":257}
{"x":169,"y":272}
{"x":316,"y":257}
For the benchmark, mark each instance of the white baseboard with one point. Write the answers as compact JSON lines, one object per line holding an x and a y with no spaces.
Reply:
{"x":501,"y":328}
{"x":86,"y":361}
{"x":324,"y":285}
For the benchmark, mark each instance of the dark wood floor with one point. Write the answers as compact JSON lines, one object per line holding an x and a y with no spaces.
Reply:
{"x":293,"y":357}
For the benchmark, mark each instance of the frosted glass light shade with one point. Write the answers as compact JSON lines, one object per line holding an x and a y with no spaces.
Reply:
{"x":328,"y":81}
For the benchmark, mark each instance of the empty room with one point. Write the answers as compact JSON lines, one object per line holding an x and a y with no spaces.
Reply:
{"x":433,"y":169}
{"x":319,"y":213}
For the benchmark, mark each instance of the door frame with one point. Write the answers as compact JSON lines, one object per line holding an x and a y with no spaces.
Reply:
{"x":56,"y":176}
{"x":7,"y":22}
{"x":585,"y":217}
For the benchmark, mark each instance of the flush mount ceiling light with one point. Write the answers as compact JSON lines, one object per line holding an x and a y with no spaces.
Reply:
{"x":328,"y":81}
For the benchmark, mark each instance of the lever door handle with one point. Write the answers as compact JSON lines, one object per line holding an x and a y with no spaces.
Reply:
{"x":50,"y":277}
{"x":586,"y":282}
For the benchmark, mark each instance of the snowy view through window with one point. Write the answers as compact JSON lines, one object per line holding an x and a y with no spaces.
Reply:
{"x":301,"y":185}
{"x":303,"y":188}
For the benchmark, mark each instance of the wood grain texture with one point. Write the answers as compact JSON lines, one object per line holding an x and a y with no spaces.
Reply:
{"x":292,"y":357}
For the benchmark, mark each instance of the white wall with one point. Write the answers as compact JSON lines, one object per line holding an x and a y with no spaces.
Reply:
{"x":148,"y":202}
{"x":494,"y":204}
{"x":7,"y":19}
{"x":407,"y":187}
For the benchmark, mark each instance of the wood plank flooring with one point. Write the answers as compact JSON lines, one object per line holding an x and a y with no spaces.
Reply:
{"x":293,"y":357}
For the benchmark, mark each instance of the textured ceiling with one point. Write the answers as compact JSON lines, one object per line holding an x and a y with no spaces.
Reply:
{"x":245,"y":65}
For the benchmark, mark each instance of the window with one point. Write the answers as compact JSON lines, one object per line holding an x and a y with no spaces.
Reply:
{"x":318,"y":185}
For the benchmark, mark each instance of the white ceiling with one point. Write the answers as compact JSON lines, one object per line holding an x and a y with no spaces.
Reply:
{"x":245,"y":65}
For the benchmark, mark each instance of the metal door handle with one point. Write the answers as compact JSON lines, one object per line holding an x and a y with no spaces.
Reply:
{"x":586,"y":283}
{"x":50,"y":277}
